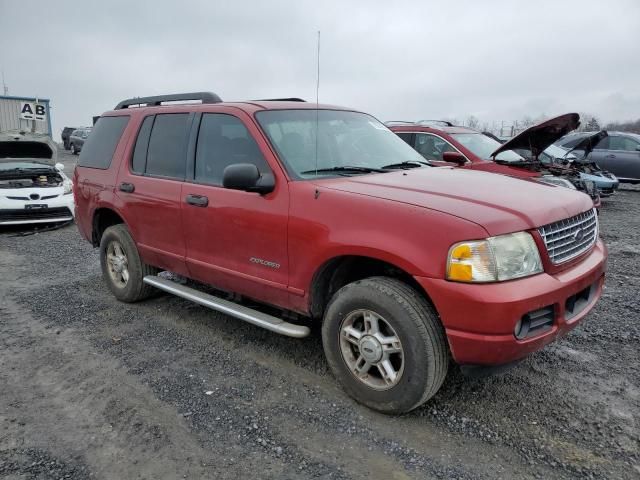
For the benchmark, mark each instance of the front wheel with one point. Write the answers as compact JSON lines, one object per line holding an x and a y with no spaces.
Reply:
{"x":385,"y":344}
{"x":122,"y":268}
{"x":73,"y":150}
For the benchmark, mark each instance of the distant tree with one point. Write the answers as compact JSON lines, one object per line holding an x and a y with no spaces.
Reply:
{"x":631,"y":126}
{"x":472,"y":122}
{"x":592,"y":125}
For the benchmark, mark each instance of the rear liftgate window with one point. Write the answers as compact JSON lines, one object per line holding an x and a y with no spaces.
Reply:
{"x":98,"y":150}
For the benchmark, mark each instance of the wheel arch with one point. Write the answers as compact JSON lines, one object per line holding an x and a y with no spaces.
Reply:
{"x":103,"y":218}
{"x":341,"y":270}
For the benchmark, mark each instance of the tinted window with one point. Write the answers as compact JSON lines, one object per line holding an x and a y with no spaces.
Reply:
{"x":222,"y":141}
{"x":139,"y":160}
{"x":167,"y":152}
{"x":405,"y":136}
{"x":623,"y":143}
{"x":98,"y":150}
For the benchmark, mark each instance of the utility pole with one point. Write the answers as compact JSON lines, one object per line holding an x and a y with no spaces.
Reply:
{"x":5,"y":89}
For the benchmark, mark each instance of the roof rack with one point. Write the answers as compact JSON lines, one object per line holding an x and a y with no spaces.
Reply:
{"x":290,"y":99}
{"x":204,"y":97}
{"x":446,"y":123}
{"x":399,"y":122}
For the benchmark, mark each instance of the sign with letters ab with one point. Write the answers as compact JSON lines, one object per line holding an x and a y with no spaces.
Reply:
{"x":33,"y":111}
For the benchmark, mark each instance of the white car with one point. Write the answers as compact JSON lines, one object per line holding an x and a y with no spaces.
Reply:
{"x":33,"y":187}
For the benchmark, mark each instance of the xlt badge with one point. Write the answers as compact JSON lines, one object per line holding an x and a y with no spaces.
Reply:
{"x":266,"y":263}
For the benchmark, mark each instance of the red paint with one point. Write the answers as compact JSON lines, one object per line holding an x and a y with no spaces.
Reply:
{"x":408,"y":218}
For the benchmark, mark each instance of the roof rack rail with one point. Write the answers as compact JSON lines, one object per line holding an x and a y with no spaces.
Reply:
{"x":204,"y":97}
{"x":289,"y":99}
{"x":399,"y":122}
{"x":442,"y":122}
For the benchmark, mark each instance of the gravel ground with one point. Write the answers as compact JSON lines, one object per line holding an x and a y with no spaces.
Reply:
{"x":94,"y":388}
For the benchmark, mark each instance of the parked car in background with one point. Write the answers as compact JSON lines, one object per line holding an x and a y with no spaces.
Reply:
{"x":324,"y":212}
{"x":618,"y":153}
{"x":33,"y":187}
{"x":443,"y":143}
{"x":605,"y":182}
{"x":77,"y":139}
{"x":66,"y":133}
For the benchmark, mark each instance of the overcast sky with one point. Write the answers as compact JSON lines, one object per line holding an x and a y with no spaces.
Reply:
{"x":497,"y":60}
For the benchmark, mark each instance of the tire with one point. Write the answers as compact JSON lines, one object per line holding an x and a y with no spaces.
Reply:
{"x":422,"y":364}
{"x":115,"y":240}
{"x":73,"y":149}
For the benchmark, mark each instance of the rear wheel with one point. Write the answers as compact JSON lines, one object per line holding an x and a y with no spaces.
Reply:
{"x":122,"y":268}
{"x":385,"y":344}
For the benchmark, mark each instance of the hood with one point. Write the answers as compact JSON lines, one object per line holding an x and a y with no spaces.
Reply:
{"x":588,"y":143}
{"x":540,"y":136}
{"x":498,"y":203}
{"x":27,"y":147}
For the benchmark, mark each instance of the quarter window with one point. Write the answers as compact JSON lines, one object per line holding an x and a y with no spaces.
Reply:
{"x":222,"y":141}
{"x":98,"y":150}
{"x":167,"y":151}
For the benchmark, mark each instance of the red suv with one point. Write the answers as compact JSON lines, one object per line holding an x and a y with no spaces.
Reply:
{"x":442,"y":143}
{"x":324,"y":212}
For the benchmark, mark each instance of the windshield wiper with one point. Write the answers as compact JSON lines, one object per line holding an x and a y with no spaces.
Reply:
{"x":345,"y":168}
{"x":407,"y":164}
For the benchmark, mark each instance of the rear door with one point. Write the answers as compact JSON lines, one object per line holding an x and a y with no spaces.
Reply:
{"x":150,"y":186}
{"x":623,"y":157}
{"x":235,"y":240}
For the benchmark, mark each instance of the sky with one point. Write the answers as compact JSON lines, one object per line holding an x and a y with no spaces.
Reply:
{"x":495,"y":60}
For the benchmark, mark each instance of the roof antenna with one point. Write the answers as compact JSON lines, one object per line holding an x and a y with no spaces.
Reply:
{"x":317,"y":99}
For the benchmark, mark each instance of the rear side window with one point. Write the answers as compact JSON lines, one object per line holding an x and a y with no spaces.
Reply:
{"x":98,"y":150}
{"x":167,"y":151}
{"x":139,"y":161}
{"x":222,"y":141}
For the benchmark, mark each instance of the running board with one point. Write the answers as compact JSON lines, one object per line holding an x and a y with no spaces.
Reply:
{"x":241,"y":312}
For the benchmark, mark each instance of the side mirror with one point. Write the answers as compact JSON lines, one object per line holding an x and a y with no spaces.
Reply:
{"x":59,"y":166}
{"x":454,"y":157}
{"x":245,"y":176}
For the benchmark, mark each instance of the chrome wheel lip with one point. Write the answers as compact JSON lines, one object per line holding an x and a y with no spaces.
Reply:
{"x":117,"y":264}
{"x":371,"y":349}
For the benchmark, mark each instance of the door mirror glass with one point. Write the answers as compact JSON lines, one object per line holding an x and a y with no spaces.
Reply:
{"x":454,"y":157}
{"x":247,"y":177}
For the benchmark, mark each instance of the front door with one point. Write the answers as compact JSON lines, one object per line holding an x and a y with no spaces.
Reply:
{"x":235,"y":240}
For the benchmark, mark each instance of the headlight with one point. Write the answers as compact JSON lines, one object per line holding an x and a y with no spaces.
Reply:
{"x":495,"y":259}
{"x":557,"y":181}
{"x":68,"y":186}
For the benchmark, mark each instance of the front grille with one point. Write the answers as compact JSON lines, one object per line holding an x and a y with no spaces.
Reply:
{"x":570,"y":237}
{"x":17,"y":215}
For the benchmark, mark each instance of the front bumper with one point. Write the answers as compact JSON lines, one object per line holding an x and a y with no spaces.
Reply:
{"x":480,"y":319}
{"x":58,"y":209}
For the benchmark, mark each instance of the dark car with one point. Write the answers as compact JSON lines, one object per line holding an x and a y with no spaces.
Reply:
{"x":618,"y":153}
{"x":66,"y":133}
{"x":403,"y":266}
{"x":77,"y":139}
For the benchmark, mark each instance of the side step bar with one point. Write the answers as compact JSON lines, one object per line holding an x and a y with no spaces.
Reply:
{"x":241,"y":312}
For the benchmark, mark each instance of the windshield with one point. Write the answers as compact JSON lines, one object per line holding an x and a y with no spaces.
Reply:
{"x":484,"y":146}
{"x":345,"y":139}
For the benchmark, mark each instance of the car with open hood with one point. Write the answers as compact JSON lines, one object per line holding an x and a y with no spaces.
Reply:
{"x":33,"y":186}
{"x":443,"y":143}
{"x":320,"y":215}
{"x":617,"y":152}
{"x":577,"y":159}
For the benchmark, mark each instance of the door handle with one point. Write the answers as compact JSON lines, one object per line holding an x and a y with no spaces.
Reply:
{"x":126,"y":187}
{"x":197,"y":200}
{"x":609,"y":156}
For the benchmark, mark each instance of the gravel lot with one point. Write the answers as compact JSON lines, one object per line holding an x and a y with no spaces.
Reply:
{"x":94,"y":388}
